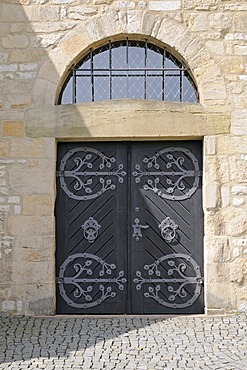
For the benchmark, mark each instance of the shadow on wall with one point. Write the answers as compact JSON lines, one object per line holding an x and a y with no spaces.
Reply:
{"x":27,"y":229}
{"x":28,"y":284}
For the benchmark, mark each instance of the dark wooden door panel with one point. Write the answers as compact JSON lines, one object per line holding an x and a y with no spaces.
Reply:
{"x":129,"y":228}
{"x":167,"y":260}
{"x":91,"y":258}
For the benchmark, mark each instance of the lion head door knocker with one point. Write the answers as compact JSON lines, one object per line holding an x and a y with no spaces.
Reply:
{"x":90,"y":229}
{"x":168,"y":229}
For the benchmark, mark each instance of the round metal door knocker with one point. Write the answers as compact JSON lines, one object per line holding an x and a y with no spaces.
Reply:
{"x":90,"y":229}
{"x":168,"y":229}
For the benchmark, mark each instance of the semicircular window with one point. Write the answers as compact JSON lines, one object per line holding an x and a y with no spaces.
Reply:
{"x":129,"y":70}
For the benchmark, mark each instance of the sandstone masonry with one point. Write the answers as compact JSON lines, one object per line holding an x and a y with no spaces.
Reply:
{"x":39,"y":41}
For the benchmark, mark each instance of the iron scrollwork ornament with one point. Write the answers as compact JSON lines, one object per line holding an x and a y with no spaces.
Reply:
{"x":175,"y":284}
{"x":90,"y":229}
{"x":77,"y":272}
{"x":168,"y":229}
{"x":86,"y":173}
{"x":178,"y":178}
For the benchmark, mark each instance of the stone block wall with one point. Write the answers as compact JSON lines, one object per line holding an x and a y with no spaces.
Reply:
{"x":39,"y":41}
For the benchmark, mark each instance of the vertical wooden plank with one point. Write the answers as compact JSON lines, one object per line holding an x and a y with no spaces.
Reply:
{"x":137,"y":217}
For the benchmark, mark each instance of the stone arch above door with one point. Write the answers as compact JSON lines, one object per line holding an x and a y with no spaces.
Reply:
{"x":168,"y":31}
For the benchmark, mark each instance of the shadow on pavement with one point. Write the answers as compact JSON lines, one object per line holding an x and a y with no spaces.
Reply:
{"x":185,"y":342}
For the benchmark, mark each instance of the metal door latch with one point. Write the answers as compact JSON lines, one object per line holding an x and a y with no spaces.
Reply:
{"x":137,"y":234}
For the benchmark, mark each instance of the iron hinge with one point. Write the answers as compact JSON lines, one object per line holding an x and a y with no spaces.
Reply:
{"x":60,"y":173}
{"x":59,"y":280}
{"x":198,"y":173}
{"x":200,"y":280}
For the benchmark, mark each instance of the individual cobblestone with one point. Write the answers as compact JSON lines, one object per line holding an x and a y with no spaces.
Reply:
{"x":130,"y":343}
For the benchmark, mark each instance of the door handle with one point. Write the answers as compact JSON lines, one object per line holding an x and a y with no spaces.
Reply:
{"x":137,"y":233}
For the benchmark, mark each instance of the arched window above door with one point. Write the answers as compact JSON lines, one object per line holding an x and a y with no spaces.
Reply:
{"x":129,"y":69}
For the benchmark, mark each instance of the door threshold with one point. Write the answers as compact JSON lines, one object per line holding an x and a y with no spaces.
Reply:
{"x":132,"y":316}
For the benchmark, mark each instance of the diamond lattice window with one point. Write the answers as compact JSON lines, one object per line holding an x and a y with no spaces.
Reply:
{"x":129,"y":69}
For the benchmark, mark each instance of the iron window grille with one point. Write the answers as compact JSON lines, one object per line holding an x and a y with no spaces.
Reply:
{"x":129,"y":70}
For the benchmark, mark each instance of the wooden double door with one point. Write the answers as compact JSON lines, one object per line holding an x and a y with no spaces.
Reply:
{"x":129,"y":228}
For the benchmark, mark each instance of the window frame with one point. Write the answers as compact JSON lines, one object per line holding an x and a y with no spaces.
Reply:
{"x":181,"y":72}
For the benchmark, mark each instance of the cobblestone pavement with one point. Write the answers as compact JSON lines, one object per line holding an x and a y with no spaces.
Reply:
{"x":132,"y":343}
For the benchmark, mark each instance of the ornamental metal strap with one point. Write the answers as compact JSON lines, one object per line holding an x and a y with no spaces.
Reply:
{"x":171,"y":173}
{"x":171,"y":290}
{"x":77,"y":272}
{"x":76,"y":173}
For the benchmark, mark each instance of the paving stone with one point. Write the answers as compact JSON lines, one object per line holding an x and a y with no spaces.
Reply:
{"x":140,"y":343}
